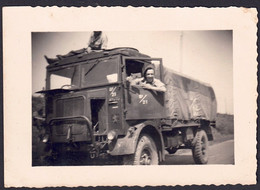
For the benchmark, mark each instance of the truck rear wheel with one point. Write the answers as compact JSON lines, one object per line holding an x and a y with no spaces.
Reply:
{"x":145,"y":154}
{"x":200,"y":148}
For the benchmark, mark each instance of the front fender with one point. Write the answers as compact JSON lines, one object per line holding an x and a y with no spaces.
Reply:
{"x":127,"y":144}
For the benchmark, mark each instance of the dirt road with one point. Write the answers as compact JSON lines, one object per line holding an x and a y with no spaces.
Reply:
{"x":221,"y":153}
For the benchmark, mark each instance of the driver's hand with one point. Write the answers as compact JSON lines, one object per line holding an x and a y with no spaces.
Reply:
{"x":143,"y":85}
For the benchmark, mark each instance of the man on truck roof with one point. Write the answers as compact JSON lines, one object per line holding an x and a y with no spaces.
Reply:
{"x":147,"y":81}
{"x":97,"y":41}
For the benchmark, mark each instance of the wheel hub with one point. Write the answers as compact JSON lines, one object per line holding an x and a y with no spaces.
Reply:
{"x":145,"y":158}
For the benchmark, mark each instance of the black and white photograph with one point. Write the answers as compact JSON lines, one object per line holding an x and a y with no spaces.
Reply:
{"x":138,"y":98}
{"x":143,"y":95}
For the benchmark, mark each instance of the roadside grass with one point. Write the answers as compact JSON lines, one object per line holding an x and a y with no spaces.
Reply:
{"x":224,"y":128}
{"x":225,"y":124}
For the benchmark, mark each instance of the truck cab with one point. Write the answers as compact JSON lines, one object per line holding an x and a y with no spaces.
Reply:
{"x":89,"y":104}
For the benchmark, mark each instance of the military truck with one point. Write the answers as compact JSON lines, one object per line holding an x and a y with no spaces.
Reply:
{"x":91,"y":108}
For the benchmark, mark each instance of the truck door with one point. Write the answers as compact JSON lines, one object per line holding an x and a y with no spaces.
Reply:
{"x":142,"y":103}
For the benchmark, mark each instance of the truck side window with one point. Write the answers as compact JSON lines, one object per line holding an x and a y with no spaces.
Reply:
{"x":150,"y":75}
{"x":133,"y":67}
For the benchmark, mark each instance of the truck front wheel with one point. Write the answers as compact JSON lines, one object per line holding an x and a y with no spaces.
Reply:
{"x":145,"y":154}
{"x":200,"y":148}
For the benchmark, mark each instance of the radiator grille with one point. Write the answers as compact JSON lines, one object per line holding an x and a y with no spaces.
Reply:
{"x":76,"y":129}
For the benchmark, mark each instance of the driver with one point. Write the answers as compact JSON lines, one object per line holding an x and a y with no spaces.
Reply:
{"x":147,"y":81}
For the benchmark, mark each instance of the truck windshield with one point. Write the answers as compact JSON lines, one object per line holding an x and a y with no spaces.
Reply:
{"x":99,"y":72}
{"x":64,"y":78}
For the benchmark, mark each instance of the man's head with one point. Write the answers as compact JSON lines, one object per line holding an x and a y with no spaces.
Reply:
{"x":148,"y":72}
{"x":149,"y":75}
{"x":97,"y":33}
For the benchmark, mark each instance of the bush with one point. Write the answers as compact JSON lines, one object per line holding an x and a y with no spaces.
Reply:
{"x":225,"y":124}
{"x":38,"y":105}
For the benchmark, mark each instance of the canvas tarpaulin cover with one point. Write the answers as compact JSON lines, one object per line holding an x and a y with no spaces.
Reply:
{"x":187,"y":99}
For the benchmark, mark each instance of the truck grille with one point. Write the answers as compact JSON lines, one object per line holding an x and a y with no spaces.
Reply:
{"x":76,"y":129}
{"x":70,"y":107}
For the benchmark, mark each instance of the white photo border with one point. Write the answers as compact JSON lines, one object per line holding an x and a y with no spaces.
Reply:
{"x":20,"y":22}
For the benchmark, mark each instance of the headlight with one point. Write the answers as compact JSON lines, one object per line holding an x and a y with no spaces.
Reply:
{"x":45,"y":139}
{"x":111,"y":135}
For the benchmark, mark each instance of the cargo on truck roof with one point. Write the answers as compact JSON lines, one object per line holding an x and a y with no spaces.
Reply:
{"x":126,"y":51}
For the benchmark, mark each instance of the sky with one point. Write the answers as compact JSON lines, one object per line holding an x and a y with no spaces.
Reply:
{"x":202,"y":55}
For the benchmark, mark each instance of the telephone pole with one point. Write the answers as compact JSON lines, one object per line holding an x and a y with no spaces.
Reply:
{"x":181,"y":51}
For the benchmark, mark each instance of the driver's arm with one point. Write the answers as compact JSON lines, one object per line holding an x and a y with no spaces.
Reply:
{"x":157,"y":86}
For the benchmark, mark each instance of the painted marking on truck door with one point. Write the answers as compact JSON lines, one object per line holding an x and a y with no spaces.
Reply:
{"x":112,"y":91}
{"x":143,"y":100}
